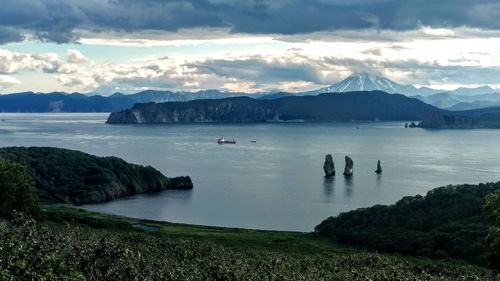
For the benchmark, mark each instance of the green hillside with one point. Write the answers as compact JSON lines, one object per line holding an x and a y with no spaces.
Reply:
{"x":74,"y":177}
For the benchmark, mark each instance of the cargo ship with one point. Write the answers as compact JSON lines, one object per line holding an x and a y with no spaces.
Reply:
{"x":224,"y":141}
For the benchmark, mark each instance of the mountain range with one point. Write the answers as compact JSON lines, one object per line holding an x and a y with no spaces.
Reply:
{"x":459,"y":99}
{"x":371,"y":82}
{"x":345,"y":107}
{"x":76,"y":102}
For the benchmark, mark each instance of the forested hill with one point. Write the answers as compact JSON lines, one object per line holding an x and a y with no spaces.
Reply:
{"x":448,"y":222}
{"x":68,"y":176}
{"x":360,"y":106}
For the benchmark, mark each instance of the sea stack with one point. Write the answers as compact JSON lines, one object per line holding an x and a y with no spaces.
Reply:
{"x":349,"y":164}
{"x":379,"y":168}
{"x":329,"y":166}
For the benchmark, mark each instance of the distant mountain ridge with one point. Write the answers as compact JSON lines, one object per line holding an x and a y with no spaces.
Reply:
{"x":461,"y":98}
{"x":371,"y":82}
{"x":453,"y":101}
{"x":76,"y":102}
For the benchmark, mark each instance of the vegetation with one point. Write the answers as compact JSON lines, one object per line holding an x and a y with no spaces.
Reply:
{"x":16,"y":191}
{"x":493,"y":213}
{"x":67,"y":243}
{"x":48,"y":250}
{"x":68,"y":176}
{"x":448,"y":222}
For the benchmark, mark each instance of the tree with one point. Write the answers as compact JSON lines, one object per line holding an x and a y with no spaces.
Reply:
{"x":493,"y":213}
{"x":16,"y":191}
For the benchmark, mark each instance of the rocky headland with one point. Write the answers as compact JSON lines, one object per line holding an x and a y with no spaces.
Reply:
{"x":353,"y":106}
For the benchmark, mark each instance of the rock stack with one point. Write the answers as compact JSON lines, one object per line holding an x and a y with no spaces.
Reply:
{"x":329,"y":166}
{"x":349,"y":164}
{"x":379,"y":168}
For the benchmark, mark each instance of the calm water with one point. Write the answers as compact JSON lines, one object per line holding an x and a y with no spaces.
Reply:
{"x":277,"y":182}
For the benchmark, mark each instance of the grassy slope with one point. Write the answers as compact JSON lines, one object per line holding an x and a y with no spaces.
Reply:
{"x":237,"y":238}
{"x":269,"y":255}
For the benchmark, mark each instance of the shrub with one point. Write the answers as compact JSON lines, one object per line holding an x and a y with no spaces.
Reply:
{"x":16,"y":191}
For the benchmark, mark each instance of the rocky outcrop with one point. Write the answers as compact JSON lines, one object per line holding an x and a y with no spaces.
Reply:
{"x":122,"y":117}
{"x":329,"y":166}
{"x":349,"y":165}
{"x":183,"y":182}
{"x":379,"y":168}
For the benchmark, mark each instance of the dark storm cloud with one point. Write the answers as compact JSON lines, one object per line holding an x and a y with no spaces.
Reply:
{"x":259,"y":69}
{"x":60,"y":20}
{"x":8,"y":34}
{"x":275,"y":71}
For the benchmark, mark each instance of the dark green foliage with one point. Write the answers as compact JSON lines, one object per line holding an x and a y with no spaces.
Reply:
{"x":55,"y":251}
{"x":493,"y":213}
{"x":17,"y":193}
{"x":75,"y":177}
{"x":448,"y":222}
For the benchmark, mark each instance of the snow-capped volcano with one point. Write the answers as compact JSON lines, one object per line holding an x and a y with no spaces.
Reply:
{"x":368,"y":82}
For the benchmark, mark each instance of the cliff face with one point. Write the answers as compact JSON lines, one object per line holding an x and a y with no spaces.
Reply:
{"x":125,"y":117}
{"x":362,"y":106}
{"x":448,"y":121}
{"x":225,"y":110}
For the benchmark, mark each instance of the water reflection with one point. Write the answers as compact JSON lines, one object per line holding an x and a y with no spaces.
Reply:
{"x":328,"y":184}
{"x":349,"y":185}
{"x":379,"y":180}
{"x":178,"y":196}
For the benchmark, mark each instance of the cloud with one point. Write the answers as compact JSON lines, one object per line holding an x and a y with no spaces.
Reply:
{"x":155,"y":73}
{"x":264,"y":70}
{"x":7,"y":81}
{"x":13,"y":62}
{"x":275,"y":66}
{"x":63,"y":21}
{"x":373,"y":51}
{"x":75,"y":56}
{"x":10,"y":34}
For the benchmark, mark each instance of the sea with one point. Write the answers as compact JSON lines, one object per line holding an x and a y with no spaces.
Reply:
{"x":272,"y":178}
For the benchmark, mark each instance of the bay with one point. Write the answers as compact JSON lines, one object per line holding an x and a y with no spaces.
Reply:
{"x":276,"y":182}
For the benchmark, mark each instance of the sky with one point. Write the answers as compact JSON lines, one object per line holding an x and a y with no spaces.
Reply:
{"x":107,"y":46}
